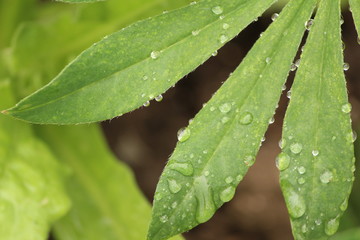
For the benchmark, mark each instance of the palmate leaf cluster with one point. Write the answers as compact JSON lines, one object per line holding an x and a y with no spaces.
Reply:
{"x":131,"y":67}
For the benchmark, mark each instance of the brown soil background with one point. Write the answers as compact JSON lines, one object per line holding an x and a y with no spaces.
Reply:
{"x":146,"y":137}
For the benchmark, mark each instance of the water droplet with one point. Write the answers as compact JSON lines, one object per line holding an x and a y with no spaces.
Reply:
{"x":239,"y":178}
{"x":206,"y":207}
{"x":282,"y":161}
{"x":225,"y":108}
{"x":217,"y":10}
{"x":296,"y":204}
{"x":318,"y":222}
{"x":304,"y":228}
{"x":146,"y":104}
{"x":341,"y":21}
{"x":193,"y":3}
{"x":225,"y":119}
{"x":293,"y":67}
{"x":263,"y":139}
{"x":249,"y":160}
{"x":296,"y":148}
{"x":346,"y":66}
{"x":195,"y":32}
{"x":159,"y":98}
{"x":164,"y":219}
{"x":315,"y":153}
{"x":223,"y":38}
{"x":282,"y":143}
{"x":183,"y":134}
{"x":227,"y":194}
{"x":346,"y":108}
{"x":174,"y":205}
{"x":301,"y":170}
{"x":183,"y":168}
{"x":154,"y":54}
{"x":288,"y":94}
{"x":301,"y":180}
{"x":145,"y":77}
{"x":272,"y":120}
{"x":174,"y":186}
{"x":344,"y":205}
{"x":229,"y":180}
{"x":326,"y":177}
{"x":297,"y":62}
{"x":354,"y":136}
{"x":158,"y":196}
{"x":214,"y":53}
{"x":358,"y":40}
{"x":225,"y":26}
{"x":332,"y":226}
{"x":206,"y":173}
{"x":274,"y":16}
{"x":283,"y":87}
{"x":268,"y":60}
{"x":246,"y":118}
{"x":308,"y":24}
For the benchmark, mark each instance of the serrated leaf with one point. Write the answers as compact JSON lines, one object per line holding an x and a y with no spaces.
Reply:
{"x":79,"y":1}
{"x":220,"y":144}
{"x":106,"y":202}
{"x":355,"y":9}
{"x":31,"y":191}
{"x":317,"y":135}
{"x":103,"y":82}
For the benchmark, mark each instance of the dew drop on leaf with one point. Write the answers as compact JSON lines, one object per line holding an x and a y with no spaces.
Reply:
{"x":174,"y":186}
{"x":288,"y":94}
{"x":296,"y":204}
{"x":214,"y":53}
{"x":274,"y":16}
{"x":249,"y":160}
{"x":296,"y":148}
{"x":358,"y":40}
{"x":346,"y":108}
{"x":195,"y":32}
{"x":346,"y":66}
{"x":185,"y":169}
{"x":301,"y":180}
{"x":282,"y":161}
{"x":146,"y":104}
{"x":183,"y":134}
{"x":225,"y":108}
{"x":268,"y":60}
{"x":315,"y":153}
{"x":344,"y":205}
{"x":164,"y":219}
{"x":227,"y":194}
{"x":332,"y":226}
{"x":308,"y":24}
{"x":154,"y":54}
{"x":301,"y":170}
{"x":225,"y":26}
{"x":293,"y":67}
{"x":223,"y":38}
{"x":246,"y":118}
{"x":326,"y":177}
{"x":159,"y":98}
{"x":217,"y":10}
{"x":205,"y":207}
{"x":318,"y":222}
{"x":229,"y":180}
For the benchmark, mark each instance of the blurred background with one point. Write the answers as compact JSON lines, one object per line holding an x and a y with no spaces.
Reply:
{"x":144,"y":138}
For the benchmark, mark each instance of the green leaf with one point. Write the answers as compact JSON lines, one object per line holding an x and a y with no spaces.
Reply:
{"x":31,"y":196}
{"x":355,"y":9}
{"x":106,"y":201}
{"x":352,"y":234}
{"x":103,"y":82}
{"x":220,"y":144}
{"x":79,"y":1}
{"x":317,"y":137}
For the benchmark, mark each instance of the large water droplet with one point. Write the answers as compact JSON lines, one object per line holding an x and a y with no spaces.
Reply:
{"x":154,"y":54}
{"x":183,"y":168}
{"x":326,"y":177}
{"x":225,"y":108}
{"x":315,"y":152}
{"x":346,"y":108}
{"x":183,"y":134}
{"x":206,"y":207}
{"x":332,"y":226}
{"x":282,"y":161}
{"x":296,"y":148}
{"x":296,"y":204}
{"x":246,"y":118}
{"x":274,"y":16}
{"x":249,"y":160}
{"x":217,"y":10}
{"x":227,"y":194}
{"x":174,"y":186}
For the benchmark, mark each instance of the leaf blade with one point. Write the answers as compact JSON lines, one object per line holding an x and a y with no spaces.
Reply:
{"x":214,"y":163}
{"x":317,"y":133}
{"x":355,"y":9}
{"x":96,"y":95}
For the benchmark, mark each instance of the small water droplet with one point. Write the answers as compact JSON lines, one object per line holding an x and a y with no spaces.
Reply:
{"x":217,"y":10}
{"x":344,"y":205}
{"x":183,"y":168}
{"x":223,"y":38}
{"x":146,"y":104}
{"x":183,"y":134}
{"x":308,"y":24}
{"x":249,"y":160}
{"x":332,"y":226}
{"x":174,"y":186}
{"x":272,"y":120}
{"x":282,"y":161}
{"x":145,"y":77}
{"x":225,"y":26}
{"x":304,"y":228}
{"x":263,"y":139}
{"x":214,"y":53}
{"x":297,"y":62}
{"x":282,"y":143}
{"x":358,"y":40}
{"x":159,"y":98}
{"x":195,"y":32}
{"x":158,"y":196}
{"x":164,"y":219}
{"x":346,"y":66}
{"x":318,"y":222}
{"x":246,"y":118}
{"x":227,"y":194}
{"x":225,"y":108}
{"x":288,"y":94}
{"x":193,"y":3}
{"x":268,"y":60}
{"x":315,"y":153}
{"x":301,"y":180}
{"x":293,"y":67}
{"x":346,"y":108}
{"x":229,"y":180}
{"x":239,"y":178}
{"x":296,"y":148}
{"x":274,"y":16}
{"x":174,"y":205}
{"x":301,"y":170}
{"x":225,"y":119}
{"x":206,"y":173}
{"x":154,"y":54}
{"x":354,"y":136}
{"x":326,"y":177}
{"x":205,"y":207}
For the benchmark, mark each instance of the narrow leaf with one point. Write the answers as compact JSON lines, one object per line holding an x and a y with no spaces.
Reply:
{"x":106,"y":202}
{"x":355,"y":9}
{"x":317,"y":140}
{"x":221,"y":143}
{"x":31,"y":191}
{"x":134,"y":65}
